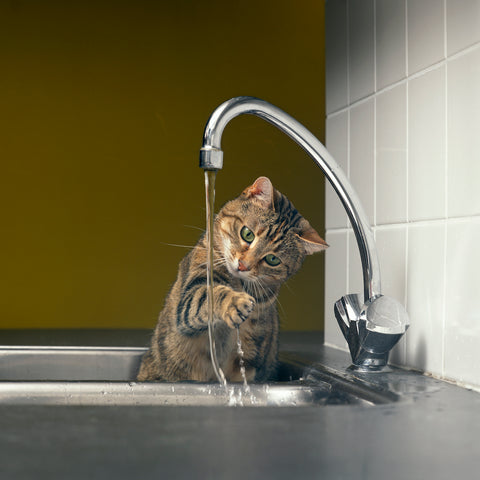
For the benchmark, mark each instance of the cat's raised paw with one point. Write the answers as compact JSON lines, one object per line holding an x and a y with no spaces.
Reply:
{"x":240,"y":307}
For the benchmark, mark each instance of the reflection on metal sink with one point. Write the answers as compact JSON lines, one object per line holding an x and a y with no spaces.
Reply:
{"x":106,"y":376}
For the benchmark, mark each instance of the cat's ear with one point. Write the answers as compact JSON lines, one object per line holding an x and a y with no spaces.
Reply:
{"x":312,"y":242}
{"x":261,"y":192}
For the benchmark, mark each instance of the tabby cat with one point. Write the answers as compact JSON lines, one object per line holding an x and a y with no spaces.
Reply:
{"x":260,"y":240}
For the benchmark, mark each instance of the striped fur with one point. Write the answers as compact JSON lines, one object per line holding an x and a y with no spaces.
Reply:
{"x":245,"y":290}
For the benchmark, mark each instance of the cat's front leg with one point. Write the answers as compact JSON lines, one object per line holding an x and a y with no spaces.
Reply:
{"x":231,"y":306}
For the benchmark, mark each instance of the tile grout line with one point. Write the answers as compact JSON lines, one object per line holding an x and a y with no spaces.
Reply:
{"x":374,"y":47}
{"x":445,"y":233}
{"x":407,"y":161}
{"x":375,"y":161}
{"x":375,"y":117}
{"x":375,"y":153}
{"x":347,"y":13}
{"x":407,"y":71}
{"x":413,"y":223}
{"x":347,"y":255}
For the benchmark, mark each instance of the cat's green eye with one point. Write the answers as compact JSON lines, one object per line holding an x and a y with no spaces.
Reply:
{"x":247,"y":234}
{"x":272,"y":260}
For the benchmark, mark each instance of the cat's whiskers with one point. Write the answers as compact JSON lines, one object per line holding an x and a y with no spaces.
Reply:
{"x":217,"y":262}
{"x":280,"y":306}
{"x":264,"y":293}
{"x":256,"y":288}
{"x":252,"y":289}
{"x":270,"y":292}
{"x":195,"y":227}
{"x":290,"y":288}
{"x":182,"y":246}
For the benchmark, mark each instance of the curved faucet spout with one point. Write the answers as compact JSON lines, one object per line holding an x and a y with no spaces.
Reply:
{"x":211,"y":158}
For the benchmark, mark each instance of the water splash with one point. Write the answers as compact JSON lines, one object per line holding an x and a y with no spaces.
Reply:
{"x":246,"y":386}
{"x":210,"y":201}
{"x":241,"y":360}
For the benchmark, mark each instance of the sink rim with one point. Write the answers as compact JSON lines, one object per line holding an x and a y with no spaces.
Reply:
{"x":315,"y":385}
{"x":159,"y":394}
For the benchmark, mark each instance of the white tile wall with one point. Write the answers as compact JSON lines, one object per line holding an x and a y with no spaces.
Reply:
{"x":391,"y":247}
{"x":337,"y":131}
{"x":427,"y":146}
{"x":362,"y":154}
{"x":425,"y":296}
{"x":463,"y":107}
{"x":391,"y":149}
{"x":361,"y":48}
{"x":463,"y":24}
{"x":354,"y":273}
{"x":337,"y":60}
{"x":462,"y":301}
{"x":403,"y":120}
{"x":426,"y":33}
{"x":336,"y":263}
{"x":390,"y":42}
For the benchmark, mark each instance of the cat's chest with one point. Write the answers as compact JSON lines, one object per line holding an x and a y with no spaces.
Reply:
{"x":261,"y":323}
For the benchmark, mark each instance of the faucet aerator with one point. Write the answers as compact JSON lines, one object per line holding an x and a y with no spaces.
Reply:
{"x":211,"y":158}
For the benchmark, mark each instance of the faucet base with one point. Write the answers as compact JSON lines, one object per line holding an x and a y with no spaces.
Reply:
{"x":369,"y":368}
{"x":371,"y":329}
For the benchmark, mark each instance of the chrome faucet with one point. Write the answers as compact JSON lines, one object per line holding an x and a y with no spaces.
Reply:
{"x":372,"y":325}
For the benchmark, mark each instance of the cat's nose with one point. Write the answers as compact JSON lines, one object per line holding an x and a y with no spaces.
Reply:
{"x":242,"y":266}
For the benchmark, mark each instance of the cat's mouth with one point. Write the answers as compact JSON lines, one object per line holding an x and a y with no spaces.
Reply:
{"x":232,"y":267}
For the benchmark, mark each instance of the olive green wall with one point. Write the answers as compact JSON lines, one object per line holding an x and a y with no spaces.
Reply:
{"x":102,"y":110}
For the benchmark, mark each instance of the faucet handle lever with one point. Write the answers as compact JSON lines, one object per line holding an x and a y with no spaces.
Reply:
{"x":347,"y":311}
{"x":385,"y":315}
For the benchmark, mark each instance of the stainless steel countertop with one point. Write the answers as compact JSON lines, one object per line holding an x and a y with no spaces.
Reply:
{"x":431,"y":433}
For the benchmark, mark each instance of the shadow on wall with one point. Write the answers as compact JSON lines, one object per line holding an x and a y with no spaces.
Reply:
{"x":420,"y":355}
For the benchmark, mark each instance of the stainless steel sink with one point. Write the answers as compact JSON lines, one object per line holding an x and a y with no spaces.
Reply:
{"x":106,"y":376}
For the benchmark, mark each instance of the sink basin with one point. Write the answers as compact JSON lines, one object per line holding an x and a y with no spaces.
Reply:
{"x":106,"y":376}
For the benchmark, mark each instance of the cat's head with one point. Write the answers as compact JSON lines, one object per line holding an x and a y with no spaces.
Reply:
{"x":262,"y":236}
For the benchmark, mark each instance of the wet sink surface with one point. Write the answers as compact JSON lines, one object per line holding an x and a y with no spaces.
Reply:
{"x":308,"y":441}
{"x":106,"y":376}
